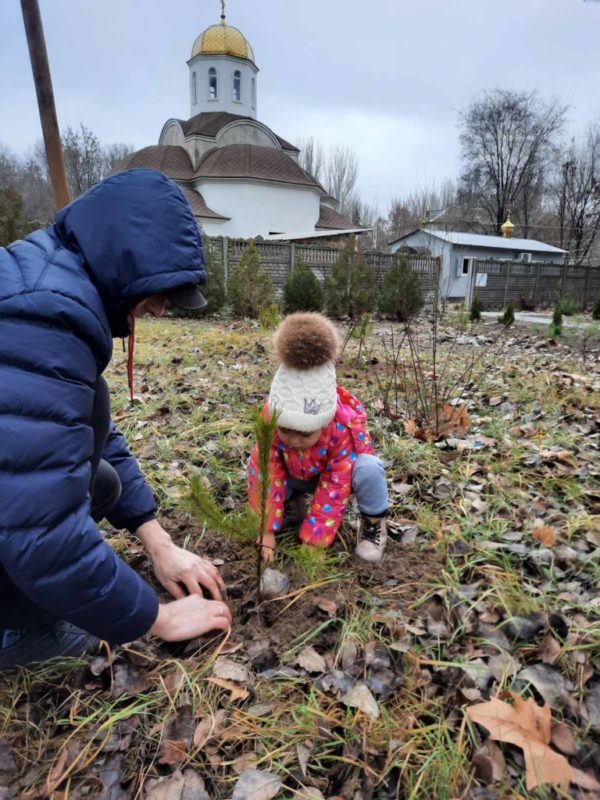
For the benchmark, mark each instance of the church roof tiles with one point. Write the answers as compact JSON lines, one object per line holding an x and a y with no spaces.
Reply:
{"x":253,"y":161}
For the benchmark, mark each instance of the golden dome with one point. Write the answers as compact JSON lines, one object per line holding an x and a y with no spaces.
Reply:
{"x":222,"y":40}
{"x":507,"y":228}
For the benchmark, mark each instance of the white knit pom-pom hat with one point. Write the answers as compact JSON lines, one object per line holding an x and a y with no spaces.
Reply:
{"x":303,"y":390}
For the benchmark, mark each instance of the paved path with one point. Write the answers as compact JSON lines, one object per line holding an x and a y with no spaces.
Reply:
{"x":533,"y":318}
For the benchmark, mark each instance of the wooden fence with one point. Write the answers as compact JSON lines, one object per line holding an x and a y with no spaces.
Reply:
{"x":539,"y":284}
{"x":278,"y":259}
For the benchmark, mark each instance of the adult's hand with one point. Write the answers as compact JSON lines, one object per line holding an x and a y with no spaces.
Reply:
{"x":175,"y":567}
{"x":190,"y":617}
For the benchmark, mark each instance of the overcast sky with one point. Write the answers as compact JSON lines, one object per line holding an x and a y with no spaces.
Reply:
{"x":386,"y":77}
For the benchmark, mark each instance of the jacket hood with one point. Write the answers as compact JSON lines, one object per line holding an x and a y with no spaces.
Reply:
{"x":137,"y":236}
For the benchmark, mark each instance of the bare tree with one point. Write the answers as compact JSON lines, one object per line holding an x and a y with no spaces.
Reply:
{"x":424,"y":205}
{"x":578,"y":196}
{"x":507,"y":140}
{"x":336,"y":167}
{"x":87,"y":162}
{"x":312,"y":156}
{"x":341,"y":172}
{"x":114,"y":153}
{"x":84,"y":159}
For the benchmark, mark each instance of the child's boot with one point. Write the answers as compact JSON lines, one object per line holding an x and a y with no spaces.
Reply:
{"x":372,"y":538}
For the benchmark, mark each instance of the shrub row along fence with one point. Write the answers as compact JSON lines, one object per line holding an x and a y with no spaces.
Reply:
{"x":279,"y":258}
{"x":538,"y":284}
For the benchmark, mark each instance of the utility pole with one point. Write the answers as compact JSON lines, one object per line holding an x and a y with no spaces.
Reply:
{"x":45,"y":97}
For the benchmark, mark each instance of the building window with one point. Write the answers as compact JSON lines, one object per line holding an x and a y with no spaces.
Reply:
{"x":253,"y":92}
{"x":194,"y":89}
{"x":237,"y":85}
{"x":466,"y":263}
{"x":212,"y":84}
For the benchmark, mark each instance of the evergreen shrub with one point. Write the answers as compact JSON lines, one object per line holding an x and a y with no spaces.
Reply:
{"x":475,"y":310}
{"x":250,"y":288}
{"x":302,"y":291}
{"x":401,"y":296}
{"x":508,"y":317}
{"x":350,"y":288}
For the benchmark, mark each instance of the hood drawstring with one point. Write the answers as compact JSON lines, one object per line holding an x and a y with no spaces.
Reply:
{"x":130,"y":349}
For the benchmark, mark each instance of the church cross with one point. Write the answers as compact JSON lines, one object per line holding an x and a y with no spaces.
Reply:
{"x":223,"y":11}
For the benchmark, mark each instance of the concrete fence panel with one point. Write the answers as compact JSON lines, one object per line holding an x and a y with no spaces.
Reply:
{"x":538,"y":284}
{"x":278,"y":259}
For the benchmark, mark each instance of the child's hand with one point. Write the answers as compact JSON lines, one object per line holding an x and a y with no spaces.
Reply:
{"x":268,"y":547}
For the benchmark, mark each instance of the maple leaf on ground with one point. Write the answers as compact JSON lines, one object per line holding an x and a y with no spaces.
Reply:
{"x":545,"y":534}
{"x":528,"y":726}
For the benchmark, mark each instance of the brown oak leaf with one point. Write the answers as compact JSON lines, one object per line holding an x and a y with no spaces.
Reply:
{"x":528,"y":726}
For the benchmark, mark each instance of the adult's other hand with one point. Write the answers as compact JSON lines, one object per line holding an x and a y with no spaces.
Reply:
{"x":190,"y":617}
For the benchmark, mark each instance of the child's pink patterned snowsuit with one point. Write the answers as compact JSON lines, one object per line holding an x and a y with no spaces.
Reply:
{"x":332,"y":457}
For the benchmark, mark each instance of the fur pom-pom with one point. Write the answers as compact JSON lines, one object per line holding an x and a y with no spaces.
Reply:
{"x":306,"y":340}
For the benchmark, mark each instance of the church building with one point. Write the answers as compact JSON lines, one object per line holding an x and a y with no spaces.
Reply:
{"x":241,"y":178}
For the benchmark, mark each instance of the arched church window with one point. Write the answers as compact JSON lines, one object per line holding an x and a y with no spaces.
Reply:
{"x":253,"y":92}
{"x":237,"y":85}
{"x":212,"y":83}
{"x":194,"y":89}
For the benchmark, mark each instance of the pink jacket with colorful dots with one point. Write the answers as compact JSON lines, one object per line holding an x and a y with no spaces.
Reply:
{"x":332,"y":458}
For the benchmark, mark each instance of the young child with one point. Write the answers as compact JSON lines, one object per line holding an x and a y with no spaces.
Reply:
{"x":322,"y":446}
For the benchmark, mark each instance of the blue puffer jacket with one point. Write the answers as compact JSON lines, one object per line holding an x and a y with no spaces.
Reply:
{"x":64,"y":294}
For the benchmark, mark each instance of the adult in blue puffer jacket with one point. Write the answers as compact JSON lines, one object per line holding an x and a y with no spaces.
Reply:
{"x":121,"y":249}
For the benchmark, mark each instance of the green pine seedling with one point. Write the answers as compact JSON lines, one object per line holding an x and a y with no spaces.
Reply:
{"x":555,"y":328}
{"x":475,"y":310}
{"x":507,"y":319}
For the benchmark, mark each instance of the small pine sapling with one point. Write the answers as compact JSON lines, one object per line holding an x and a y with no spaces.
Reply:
{"x":462,"y":320}
{"x":265,"y":429}
{"x":269,"y":317}
{"x":596,"y":309}
{"x":568,"y":305}
{"x":508,"y":318}
{"x":555,"y":328}
{"x":475,"y":310}
{"x":401,"y":296}
{"x":302,"y":291}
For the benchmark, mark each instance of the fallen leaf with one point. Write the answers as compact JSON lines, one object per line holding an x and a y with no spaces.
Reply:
{"x":256,"y":784}
{"x":489,"y":763}
{"x":230,"y":670}
{"x":360,"y":697}
{"x":303,"y":753}
{"x":55,"y":776}
{"x":544,"y":534}
{"x":549,"y":683}
{"x":243,"y":762}
{"x":188,"y":785}
{"x":309,"y":793}
{"x":311,"y":661}
{"x":128,"y":680}
{"x":172,"y":751}
{"x":549,"y":649}
{"x":328,"y":606}
{"x":7,"y":764}
{"x":526,"y":725}
{"x":562,"y":738}
{"x":585,"y":780}
{"x":111,"y":775}
{"x":236,"y":692}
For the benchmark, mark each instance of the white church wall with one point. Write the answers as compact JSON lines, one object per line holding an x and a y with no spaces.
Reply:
{"x":225,"y":66}
{"x":259,"y":209}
